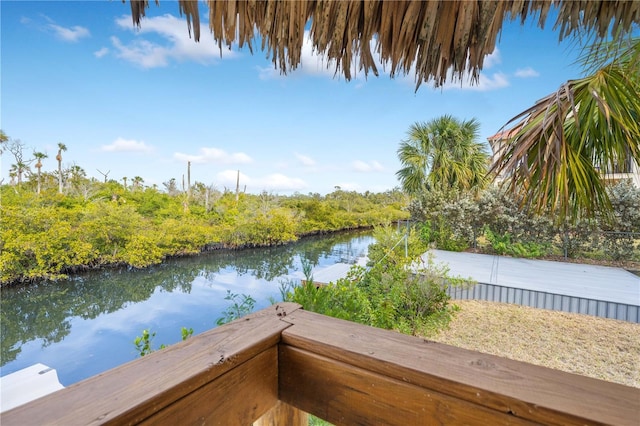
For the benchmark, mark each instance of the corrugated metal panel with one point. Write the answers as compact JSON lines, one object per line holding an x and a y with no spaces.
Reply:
{"x":544,"y":300}
{"x":568,"y":279}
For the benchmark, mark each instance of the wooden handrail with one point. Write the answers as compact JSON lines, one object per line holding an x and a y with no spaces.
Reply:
{"x":226,"y":376}
{"x":269,"y":365}
{"x":345,"y":372}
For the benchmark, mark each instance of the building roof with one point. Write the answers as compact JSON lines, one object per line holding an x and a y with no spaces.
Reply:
{"x":426,"y":38}
{"x":505,"y":134}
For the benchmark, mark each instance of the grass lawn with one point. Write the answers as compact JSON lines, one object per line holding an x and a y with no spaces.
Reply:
{"x":596,"y":347}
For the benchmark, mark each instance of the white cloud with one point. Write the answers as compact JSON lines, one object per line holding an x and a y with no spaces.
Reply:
{"x":126,"y":145}
{"x":71,"y":34}
{"x":527,"y":72}
{"x":227,"y":178}
{"x":490,"y":82}
{"x":267,"y":73}
{"x":311,"y":63}
{"x":280,"y":182}
{"x":305,"y":160}
{"x":315,"y":64}
{"x":349,"y":186}
{"x":492,"y":59}
{"x":485,"y":83}
{"x":364,"y":167}
{"x":100,"y":53}
{"x":175,"y":44}
{"x":214,"y":155}
{"x":281,"y":165}
{"x":142,"y":53}
{"x":273,"y":182}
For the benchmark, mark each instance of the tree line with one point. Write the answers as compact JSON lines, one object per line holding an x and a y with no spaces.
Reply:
{"x":94,"y":224}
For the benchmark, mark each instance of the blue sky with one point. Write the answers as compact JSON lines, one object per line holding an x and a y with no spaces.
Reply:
{"x":143,"y":102}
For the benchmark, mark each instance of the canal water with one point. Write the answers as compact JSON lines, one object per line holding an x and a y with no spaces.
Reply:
{"x":87,"y":324}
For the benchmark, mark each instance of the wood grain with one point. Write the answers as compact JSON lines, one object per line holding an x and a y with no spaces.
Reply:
{"x":137,"y":390}
{"x":530,"y":392}
{"x":283,"y":414}
{"x":238,"y":397}
{"x":344,"y":372}
{"x":348,"y":395}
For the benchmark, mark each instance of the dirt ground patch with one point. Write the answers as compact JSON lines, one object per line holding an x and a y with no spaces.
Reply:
{"x":596,"y":347}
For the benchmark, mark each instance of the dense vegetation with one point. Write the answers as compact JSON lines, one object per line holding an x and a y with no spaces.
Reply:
{"x":93,"y":224}
{"x":394,"y":292}
{"x":494,"y":222}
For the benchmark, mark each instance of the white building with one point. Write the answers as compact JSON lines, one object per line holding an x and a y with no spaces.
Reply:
{"x":618,"y":172}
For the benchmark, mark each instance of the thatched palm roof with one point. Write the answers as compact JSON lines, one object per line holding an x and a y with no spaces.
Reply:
{"x":424,"y":37}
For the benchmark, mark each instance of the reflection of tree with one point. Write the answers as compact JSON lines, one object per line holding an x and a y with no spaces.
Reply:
{"x":340,"y":246}
{"x":43,"y":311}
{"x":272,"y":262}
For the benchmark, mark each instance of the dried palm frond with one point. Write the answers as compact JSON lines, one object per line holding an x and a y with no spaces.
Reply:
{"x":435,"y":40}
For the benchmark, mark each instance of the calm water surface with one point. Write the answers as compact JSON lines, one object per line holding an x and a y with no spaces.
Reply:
{"x":86,"y":324}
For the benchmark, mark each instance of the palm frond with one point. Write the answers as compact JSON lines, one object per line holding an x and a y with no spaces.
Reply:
{"x":442,"y":154}
{"x":568,"y":139}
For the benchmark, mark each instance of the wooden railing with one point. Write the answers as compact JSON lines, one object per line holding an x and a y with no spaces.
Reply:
{"x":273,"y":366}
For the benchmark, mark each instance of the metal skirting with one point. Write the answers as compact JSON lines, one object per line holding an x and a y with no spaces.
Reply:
{"x":544,"y":300}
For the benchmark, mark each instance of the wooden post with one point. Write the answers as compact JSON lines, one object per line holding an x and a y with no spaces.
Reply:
{"x":283,"y":415}
{"x":347,"y":373}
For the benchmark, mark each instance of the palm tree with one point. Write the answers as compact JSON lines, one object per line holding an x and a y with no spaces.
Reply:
{"x":39,"y":156}
{"x":12,"y":175}
{"x":137,"y":182}
{"x":555,"y":161}
{"x":442,"y":154}
{"x":18,"y":169}
{"x":61,"y":147}
{"x":4,"y":139}
{"x":76,"y":174}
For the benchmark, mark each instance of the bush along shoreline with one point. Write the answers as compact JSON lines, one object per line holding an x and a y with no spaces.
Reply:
{"x":493,"y":222}
{"x":49,"y":235}
{"x":393,"y":292}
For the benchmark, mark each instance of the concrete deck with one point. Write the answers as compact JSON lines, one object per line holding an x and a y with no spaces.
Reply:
{"x":563,"y":278}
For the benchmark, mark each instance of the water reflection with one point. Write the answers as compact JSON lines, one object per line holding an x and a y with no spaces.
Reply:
{"x":86,"y":324}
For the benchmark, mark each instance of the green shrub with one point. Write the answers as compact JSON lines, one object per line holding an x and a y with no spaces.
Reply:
{"x":144,"y":343}
{"x":142,"y":251}
{"x":502,"y":245}
{"x":395,"y":293}
{"x":442,"y":236}
{"x":241,"y":305}
{"x":343,"y":299}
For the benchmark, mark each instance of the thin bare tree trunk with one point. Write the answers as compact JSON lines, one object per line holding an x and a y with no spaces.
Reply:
{"x":238,"y":186}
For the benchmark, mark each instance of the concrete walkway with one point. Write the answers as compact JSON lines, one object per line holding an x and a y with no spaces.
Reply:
{"x":569,"y":279}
